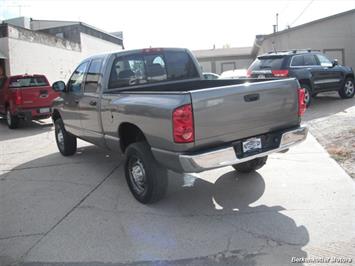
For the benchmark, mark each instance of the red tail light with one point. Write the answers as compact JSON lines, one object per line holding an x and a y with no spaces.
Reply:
{"x":280,"y":73}
{"x":249,"y":73}
{"x":18,"y":97}
{"x":183,"y":124}
{"x":301,"y":102}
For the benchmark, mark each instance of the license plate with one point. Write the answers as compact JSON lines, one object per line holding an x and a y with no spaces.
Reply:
{"x":261,"y":76}
{"x":44,"y":110}
{"x":252,"y":144}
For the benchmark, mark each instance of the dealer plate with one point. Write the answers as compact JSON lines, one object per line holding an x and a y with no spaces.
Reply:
{"x":252,"y":144}
{"x":44,"y":110}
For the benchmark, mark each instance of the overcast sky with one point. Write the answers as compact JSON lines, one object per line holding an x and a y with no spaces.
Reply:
{"x":195,"y":24}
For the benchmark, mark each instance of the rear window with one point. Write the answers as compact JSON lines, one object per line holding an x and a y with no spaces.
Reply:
{"x":267,"y":63}
{"x":28,"y":82}
{"x":153,"y":67}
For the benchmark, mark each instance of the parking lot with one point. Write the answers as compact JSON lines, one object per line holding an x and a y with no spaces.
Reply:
{"x":78,"y":210}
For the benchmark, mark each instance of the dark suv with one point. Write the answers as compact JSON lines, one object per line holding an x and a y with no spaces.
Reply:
{"x":315,"y":71}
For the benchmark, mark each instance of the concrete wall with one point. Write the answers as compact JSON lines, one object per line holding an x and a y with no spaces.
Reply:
{"x":91,"y":45}
{"x":331,"y":36}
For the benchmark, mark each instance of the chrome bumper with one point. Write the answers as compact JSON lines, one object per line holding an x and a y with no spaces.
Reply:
{"x":225,"y":157}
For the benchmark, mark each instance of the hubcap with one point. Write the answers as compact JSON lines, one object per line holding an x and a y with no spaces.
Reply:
{"x":349,"y":88}
{"x":8,"y":117}
{"x":60,"y":138}
{"x":137,"y":175}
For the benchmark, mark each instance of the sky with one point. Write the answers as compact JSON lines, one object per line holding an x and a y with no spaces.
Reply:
{"x":194,"y":24}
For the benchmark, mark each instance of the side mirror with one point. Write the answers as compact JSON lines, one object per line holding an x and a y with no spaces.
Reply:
{"x":59,"y":86}
{"x":335,"y":62}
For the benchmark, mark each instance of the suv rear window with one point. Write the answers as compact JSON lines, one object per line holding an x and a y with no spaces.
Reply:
{"x":144,"y":68}
{"x":28,"y":82}
{"x":270,"y":62}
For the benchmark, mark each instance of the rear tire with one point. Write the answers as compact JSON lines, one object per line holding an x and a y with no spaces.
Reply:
{"x":348,"y":90}
{"x":146,"y":179}
{"x":307,"y":95}
{"x":251,"y":165}
{"x":66,"y":142}
{"x":11,"y":120}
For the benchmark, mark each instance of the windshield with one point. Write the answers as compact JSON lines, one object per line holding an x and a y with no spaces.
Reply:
{"x":28,"y":82}
{"x":267,"y":63}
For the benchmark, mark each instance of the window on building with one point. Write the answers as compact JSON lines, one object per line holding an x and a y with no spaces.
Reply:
{"x":93,"y":76}
{"x":76,"y":80}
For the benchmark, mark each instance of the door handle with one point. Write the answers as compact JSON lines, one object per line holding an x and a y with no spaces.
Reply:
{"x":252,"y":97}
{"x":93,"y":103}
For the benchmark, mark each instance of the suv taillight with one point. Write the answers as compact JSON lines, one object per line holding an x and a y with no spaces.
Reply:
{"x":280,"y":73}
{"x":183,"y":124}
{"x":301,"y":102}
{"x":249,"y":73}
{"x":18,"y":97}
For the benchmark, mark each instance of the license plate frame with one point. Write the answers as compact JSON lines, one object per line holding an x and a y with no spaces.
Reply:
{"x":44,"y":110}
{"x":252,"y":145}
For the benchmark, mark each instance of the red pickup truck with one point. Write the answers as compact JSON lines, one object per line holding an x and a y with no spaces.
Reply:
{"x":26,"y":97}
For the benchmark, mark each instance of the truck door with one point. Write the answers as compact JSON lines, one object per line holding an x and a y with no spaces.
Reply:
{"x":90,"y":104}
{"x":328,"y":77}
{"x":71,"y":111}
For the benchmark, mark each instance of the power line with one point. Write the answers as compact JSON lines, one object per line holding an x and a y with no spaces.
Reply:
{"x":304,"y":10}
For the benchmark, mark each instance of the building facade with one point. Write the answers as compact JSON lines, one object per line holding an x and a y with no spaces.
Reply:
{"x":52,"y":48}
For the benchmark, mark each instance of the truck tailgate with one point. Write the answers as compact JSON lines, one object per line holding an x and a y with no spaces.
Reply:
{"x":228,"y":113}
{"x":33,"y":97}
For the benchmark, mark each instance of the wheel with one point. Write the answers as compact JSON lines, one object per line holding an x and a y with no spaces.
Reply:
{"x":66,"y":142}
{"x":307,"y":94}
{"x":348,"y":90}
{"x":251,"y":165}
{"x":12,"y":120}
{"x":146,"y":179}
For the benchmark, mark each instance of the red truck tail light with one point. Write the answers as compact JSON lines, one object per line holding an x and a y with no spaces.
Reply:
{"x":18,"y":97}
{"x":301,"y":102}
{"x":280,"y":73}
{"x":183,"y":124}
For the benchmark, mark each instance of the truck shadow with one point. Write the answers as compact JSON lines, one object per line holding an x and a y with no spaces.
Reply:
{"x":25,"y":129}
{"x":326,"y":104}
{"x":257,"y":234}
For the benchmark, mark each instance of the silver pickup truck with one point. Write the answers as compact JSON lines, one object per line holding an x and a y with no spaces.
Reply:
{"x":154,"y":106}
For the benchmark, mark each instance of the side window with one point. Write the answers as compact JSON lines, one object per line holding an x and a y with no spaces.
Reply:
{"x":324,"y":61}
{"x":93,"y":76}
{"x":76,"y":80}
{"x":309,"y":60}
{"x":297,"y":60}
{"x":127,"y":71}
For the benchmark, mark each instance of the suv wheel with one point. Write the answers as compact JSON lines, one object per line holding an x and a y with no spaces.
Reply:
{"x":147,"y":180}
{"x":251,"y":165}
{"x":66,"y":142}
{"x":348,"y":90}
{"x":11,"y":120}
{"x":307,"y":94}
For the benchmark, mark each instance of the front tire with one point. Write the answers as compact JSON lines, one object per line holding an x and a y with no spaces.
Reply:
{"x":11,"y":120}
{"x":348,"y":90}
{"x":66,"y":142}
{"x":251,"y":165}
{"x":146,"y":179}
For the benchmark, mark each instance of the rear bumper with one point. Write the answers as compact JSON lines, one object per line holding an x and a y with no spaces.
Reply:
{"x":33,"y":113}
{"x":194,"y":163}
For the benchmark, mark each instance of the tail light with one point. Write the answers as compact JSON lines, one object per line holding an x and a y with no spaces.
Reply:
{"x":280,"y":73}
{"x":18,"y":97}
{"x":183,"y":124}
{"x":249,"y":73}
{"x":301,"y":102}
